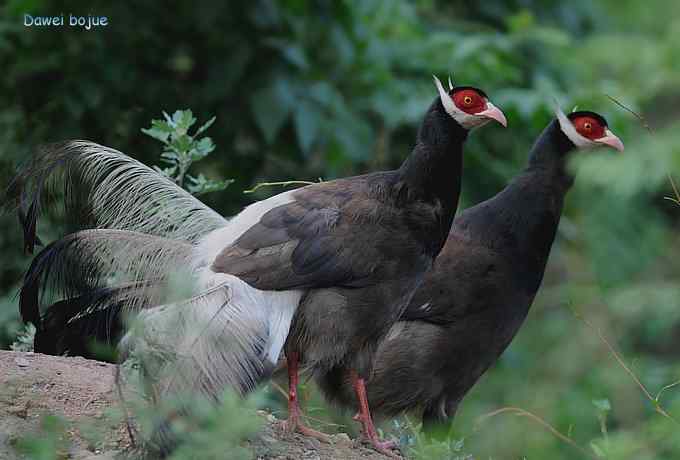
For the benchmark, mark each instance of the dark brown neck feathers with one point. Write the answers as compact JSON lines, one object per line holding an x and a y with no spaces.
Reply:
{"x":548,"y":156}
{"x":432,"y":172}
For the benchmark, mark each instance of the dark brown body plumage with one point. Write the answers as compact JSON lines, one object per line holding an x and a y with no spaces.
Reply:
{"x":475,"y":299}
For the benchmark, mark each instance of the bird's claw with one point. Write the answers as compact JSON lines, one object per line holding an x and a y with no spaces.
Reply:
{"x":388,"y":448}
{"x":294,"y":425}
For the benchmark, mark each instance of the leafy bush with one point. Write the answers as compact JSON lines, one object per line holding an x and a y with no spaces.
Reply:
{"x":181,"y":149}
{"x":24,"y":341}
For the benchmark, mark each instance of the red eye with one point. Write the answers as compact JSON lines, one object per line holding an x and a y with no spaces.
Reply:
{"x":469,"y":101}
{"x":589,"y":127}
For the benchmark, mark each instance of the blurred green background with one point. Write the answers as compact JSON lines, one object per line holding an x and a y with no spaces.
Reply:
{"x":309,"y":89}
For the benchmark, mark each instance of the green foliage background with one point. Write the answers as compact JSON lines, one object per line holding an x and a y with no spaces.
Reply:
{"x":308,"y":89}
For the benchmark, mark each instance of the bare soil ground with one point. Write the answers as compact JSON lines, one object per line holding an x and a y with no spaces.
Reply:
{"x":80,"y":390}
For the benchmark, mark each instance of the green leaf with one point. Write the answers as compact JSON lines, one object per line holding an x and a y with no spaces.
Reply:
{"x":202,"y":148}
{"x":170,"y":155}
{"x":161,"y":125}
{"x":183,"y":120}
{"x":159,"y":130}
{"x":325,"y":94}
{"x":521,"y":21}
{"x":167,"y":172}
{"x":156,"y":134}
{"x":602,"y":405}
{"x":200,"y":184}
{"x":181,"y":144}
{"x":205,"y":126}
{"x":342,"y":44}
{"x":292,"y":52}
{"x":271,"y":108}
{"x":306,"y":119}
{"x":597,"y":449}
{"x":354,"y":137}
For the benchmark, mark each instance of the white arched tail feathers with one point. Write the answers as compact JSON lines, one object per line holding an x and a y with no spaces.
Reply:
{"x":108,"y":189}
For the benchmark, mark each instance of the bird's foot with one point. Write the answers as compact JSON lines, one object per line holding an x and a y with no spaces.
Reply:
{"x":295,"y":425}
{"x":309,"y":432}
{"x":388,"y":448}
{"x":370,"y":436}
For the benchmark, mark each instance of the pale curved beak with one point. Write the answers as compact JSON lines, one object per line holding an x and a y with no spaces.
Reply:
{"x":493,"y":113}
{"x":610,"y":140}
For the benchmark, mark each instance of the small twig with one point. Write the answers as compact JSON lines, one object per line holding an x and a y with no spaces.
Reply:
{"x":667,"y":387}
{"x":323,"y":422}
{"x":280,"y":389}
{"x":524,"y":413}
{"x":637,"y":115}
{"x":616,"y":355}
{"x":655,"y":401}
{"x":603,"y":428}
{"x":282,"y":184}
{"x":183,"y":167}
{"x":675,"y":200}
{"x":128,"y":417}
{"x":282,"y":414}
{"x":412,"y":426}
{"x":89,"y":401}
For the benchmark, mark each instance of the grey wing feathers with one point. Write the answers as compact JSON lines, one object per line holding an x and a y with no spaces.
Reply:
{"x":298,"y":246}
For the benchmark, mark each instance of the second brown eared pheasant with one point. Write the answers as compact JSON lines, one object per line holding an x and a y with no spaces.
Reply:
{"x":475,"y":299}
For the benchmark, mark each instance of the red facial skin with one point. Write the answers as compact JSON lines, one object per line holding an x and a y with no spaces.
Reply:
{"x":469,"y":101}
{"x":589,"y":127}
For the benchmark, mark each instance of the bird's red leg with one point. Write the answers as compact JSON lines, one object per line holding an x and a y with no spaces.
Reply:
{"x":294,"y":423}
{"x":364,"y":416}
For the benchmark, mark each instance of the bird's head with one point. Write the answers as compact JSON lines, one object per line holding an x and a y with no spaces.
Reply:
{"x":468,"y":106}
{"x":587,"y":130}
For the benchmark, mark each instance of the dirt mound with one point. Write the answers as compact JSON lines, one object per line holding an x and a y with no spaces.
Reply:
{"x":79,"y":390}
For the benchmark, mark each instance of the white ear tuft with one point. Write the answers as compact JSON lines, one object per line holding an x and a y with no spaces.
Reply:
{"x":559,"y":114}
{"x":569,"y":130}
{"x":447,"y":102}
